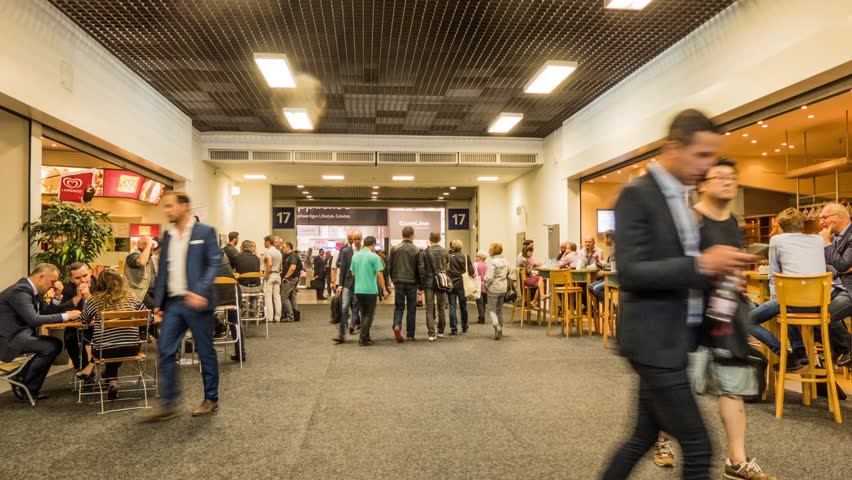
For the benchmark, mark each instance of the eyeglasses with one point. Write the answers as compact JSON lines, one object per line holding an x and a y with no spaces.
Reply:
{"x":826,"y":217}
{"x":724,"y":178}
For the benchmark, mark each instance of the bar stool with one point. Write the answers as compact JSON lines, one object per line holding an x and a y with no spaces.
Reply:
{"x":570,"y":297}
{"x":611,"y":289}
{"x":238,"y":337}
{"x":257,"y":312}
{"x":808,"y":292}
{"x":526,"y":294}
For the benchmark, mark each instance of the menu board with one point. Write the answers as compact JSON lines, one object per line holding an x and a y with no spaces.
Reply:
{"x":122,"y":184}
{"x":107,"y":183}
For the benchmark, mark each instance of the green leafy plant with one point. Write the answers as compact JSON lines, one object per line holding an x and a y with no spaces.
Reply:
{"x":66,"y":233}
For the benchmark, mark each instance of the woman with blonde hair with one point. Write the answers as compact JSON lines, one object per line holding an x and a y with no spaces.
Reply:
{"x":496,"y":286}
{"x":111,"y":294}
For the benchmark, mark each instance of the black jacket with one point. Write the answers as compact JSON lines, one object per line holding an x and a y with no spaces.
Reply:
{"x":344,"y":261}
{"x":19,"y":316}
{"x":838,"y":258}
{"x":231,"y":252}
{"x":437,"y":261}
{"x":319,"y":267}
{"x":655,"y":277}
{"x":457,"y":268}
{"x":68,"y":293}
{"x":402,"y":263}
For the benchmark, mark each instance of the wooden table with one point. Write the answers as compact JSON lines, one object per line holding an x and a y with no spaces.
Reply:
{"x":610,"y":284}
{"x":60,"y":325}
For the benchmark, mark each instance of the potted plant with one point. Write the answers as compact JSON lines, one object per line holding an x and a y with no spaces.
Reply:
{"x":67,"y":233}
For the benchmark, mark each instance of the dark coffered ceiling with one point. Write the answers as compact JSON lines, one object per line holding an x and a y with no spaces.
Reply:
{"x":401,"y":67}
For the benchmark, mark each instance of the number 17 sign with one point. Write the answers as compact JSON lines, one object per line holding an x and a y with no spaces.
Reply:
{"x":458,"y":219}
{"x":283,"y":217}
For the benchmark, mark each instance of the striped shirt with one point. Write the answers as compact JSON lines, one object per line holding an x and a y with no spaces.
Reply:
{"x":125,"y":336}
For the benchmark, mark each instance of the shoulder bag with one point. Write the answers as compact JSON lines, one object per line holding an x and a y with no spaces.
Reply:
{"x":443,"y":282}
{"x":471,"y":286}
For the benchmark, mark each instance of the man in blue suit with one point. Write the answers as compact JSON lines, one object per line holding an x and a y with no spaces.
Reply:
{"x":184,"y":294}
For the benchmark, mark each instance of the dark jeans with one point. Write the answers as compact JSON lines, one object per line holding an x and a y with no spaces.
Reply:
{"x":348,"y":299}
{"x":597,"y":289}
{"x":367,"y":304}
{"x":405,"y":300}
{"x":666,"y":404}
{"x":46,"y":350}
{"x":111,"y":369}
{"x":78,"y":354}
{"x":457,"y":297}
{"x":177,"y":319}
{"x":839,"y":308}
{"x":481,"y":302}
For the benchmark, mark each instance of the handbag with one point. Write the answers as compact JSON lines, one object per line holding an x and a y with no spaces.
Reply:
{"x":443,"y":282}
{"x":729,"y":339}
{"x":511,"y":294}
{"x":471,"y":286}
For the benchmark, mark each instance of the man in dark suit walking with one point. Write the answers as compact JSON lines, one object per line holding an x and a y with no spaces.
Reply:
{"x":662,"y":276}
{"x":185,"y":295}
{"x":20,"y":317}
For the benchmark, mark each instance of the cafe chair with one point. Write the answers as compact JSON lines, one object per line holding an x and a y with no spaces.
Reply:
{"x":526,"y":293}
{"x":813,"y":294}
{"x":253,"y":306}
{"x":227,"y":338}
{"x":9,"y":370}
{"x":143,"y":382}
{"x":570,"y":297}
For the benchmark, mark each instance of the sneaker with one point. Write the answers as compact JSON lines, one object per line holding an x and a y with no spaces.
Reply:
{"x":749,"y":470}
{"x":431,"y":338}
{"x":440,"y":334}
{"x":663,"y":453}
{"x":397,"y":333}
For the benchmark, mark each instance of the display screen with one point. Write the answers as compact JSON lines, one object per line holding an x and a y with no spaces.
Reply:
{"x":122,"y":184}
{"x":606,"y":220}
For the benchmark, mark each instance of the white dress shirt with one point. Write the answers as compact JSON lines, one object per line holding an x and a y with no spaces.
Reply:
{"x":178,"y":246}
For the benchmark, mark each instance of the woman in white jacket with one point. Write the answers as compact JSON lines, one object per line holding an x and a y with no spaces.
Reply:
{"x":496,"y":285}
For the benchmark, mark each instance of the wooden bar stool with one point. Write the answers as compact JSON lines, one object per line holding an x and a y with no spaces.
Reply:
{"x":808,"y":291}
{"x":526,"y":295}
{"x":611,"y":289}
{"x":570,"y":296}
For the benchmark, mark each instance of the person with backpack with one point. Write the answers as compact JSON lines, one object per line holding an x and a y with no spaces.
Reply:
{"x":291,"y":269}
{"x":432,"y":262}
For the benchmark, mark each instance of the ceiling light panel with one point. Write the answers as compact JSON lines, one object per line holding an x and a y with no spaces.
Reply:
{"x":505,"y":122}
{"x":550,"y":76}
{"x":253,"y":176}
{"x":275,"y":69}
{"x":626,"y":4}
{"x":298,"y":119}
{"x":403,"y":178}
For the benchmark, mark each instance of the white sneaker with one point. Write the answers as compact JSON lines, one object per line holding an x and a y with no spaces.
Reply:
{"x":440,"y":335}
{"x":431,"y":338}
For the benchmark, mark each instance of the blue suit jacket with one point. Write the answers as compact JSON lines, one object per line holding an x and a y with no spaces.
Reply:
{"x":203,"y":259}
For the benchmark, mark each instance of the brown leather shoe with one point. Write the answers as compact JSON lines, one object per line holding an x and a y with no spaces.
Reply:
{"x":160,"y":413}
{"x":206,"y":408}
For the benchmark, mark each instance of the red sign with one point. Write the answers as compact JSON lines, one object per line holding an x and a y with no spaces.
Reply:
{"x":77,"y":187}
{"x":139,"y":229}
{"x":122,"y":183}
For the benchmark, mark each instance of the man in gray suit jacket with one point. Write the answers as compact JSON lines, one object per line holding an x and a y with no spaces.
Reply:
{"x":663,"y":276}
{"x":20,"y":317}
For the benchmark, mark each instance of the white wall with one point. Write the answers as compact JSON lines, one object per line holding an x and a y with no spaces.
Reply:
{"x":252,"y":209}
{"x":51,"y":65}
{"x":14,"y":197}
{"x":493,"y":205}
{"x":751,"y":50}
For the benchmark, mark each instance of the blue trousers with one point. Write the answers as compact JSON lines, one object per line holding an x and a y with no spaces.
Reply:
{"x":457,"y":297}
{"x":405,"y":300}
{"x":347,"y":300}
{"x":839,"y":308}
{"x":177,"y":319}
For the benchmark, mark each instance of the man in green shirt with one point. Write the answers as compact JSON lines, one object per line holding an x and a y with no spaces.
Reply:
{"x":367,"y":268}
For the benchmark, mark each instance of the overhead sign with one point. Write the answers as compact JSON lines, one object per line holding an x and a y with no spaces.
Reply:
{"x":77,"y":187}
{"x":122,"y":183}
{"x":356,"y":217}
{"x":458,"y":219}
{"x":149,"y":229}
{"x":283,"y":217}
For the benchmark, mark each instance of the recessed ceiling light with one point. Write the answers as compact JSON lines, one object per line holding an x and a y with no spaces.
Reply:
{"x":618,"y":171}
{"x":653,"y":159}
{"x":253,"y":176}
{"x":505,"y":122}
{"x":745,"y":134}
{"x":550,"y":76}
{"x":446,"y":193}
{"x":333,"y":177}
{"x":452,"y":188}
{"x":765,"y":125}
{"x":777,"y":150}
{"x":760,"y":122}
{"x":627,"y":4}
{"x":440,"y":198}
{"x":754,"y":141}
{"x":636,"y":165}
{"x":52,"y":144}
{"x":298,"y":119}
{"x":784,"y":144}
{"x":604,"y":177}
{"x":403,"y":178}
{"x":487,"y":179}
{"x":810,"y":116}
{"x":305,"y":193}
{"x":804,"y":107}
{"x":764,"y":154}
{"x":375,"y":188}
{"x":792,"y":146}
{"x":591,"y":181}
{"x":300,"y":186}
{"x":309,"y":197}
{"x":275,"y":69}
{"x":727,"y":134}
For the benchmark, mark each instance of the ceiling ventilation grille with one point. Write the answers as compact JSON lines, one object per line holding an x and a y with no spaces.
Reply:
{"x":226,"y":155}
{"x":439,"y":158}
{"x":313,"y":157}
{"x":478,"y":159}
{"x":271,"y":156}
{"x":355,"y":158}
{"x":397,"y":158}
{"x":518,"y":159}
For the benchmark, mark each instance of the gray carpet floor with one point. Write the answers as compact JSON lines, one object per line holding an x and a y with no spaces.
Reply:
{"x":526,"y":407}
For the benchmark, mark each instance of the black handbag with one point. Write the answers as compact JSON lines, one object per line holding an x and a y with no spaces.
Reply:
{"x":443,"y":282}
{"x":729,"y":340}
{"x":511,"y":294}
